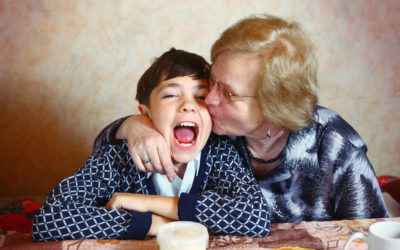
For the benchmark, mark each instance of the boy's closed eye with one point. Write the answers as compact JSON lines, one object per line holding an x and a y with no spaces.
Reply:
{"x":169,"y":95}
{"x":201,"y":97}
{"x":201,"y":93}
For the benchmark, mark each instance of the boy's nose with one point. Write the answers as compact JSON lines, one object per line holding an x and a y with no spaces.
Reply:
{"x":188,"y":106}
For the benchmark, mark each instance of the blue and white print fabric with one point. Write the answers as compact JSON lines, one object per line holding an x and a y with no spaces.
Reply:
{"x":324,"y":174}
{"x":225,"y":197}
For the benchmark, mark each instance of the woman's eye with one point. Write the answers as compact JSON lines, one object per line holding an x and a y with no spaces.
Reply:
{"x":201,"y":97}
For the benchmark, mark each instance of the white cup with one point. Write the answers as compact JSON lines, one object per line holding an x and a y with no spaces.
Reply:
{"x":182,"y":235}
{"x":384,"y":235}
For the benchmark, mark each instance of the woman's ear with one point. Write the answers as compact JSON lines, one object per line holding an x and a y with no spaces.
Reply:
{"x":144,"y":110}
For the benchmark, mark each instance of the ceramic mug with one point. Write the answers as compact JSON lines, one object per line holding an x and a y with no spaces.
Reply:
{"x":384,"y":235}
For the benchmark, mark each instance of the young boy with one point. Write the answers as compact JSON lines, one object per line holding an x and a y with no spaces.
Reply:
{"x":108,"y":197}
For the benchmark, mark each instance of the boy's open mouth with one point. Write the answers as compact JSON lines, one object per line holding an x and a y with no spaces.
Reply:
{"x":186,"y":134}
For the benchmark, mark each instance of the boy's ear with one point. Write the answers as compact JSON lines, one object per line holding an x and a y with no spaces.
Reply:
{"x":143,"y":109}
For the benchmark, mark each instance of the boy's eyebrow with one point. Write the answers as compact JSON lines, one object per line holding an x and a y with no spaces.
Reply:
{"x":176,"y":85}
{"x":170,"y":85}
{"x":162,"y":87}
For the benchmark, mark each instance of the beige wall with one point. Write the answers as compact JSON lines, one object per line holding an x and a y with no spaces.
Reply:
{"x":68,"y":68}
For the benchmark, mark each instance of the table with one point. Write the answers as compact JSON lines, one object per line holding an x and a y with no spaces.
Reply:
{"x":314,"y":235}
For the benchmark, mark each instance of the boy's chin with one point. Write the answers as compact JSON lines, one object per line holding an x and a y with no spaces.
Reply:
{"x":184,"y":157}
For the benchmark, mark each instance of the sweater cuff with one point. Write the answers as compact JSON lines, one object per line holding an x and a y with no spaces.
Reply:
{"x":139,"y":226}
{"x":187,"y":207}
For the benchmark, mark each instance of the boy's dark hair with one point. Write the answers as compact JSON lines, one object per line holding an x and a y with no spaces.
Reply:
{"x":172,"y":63}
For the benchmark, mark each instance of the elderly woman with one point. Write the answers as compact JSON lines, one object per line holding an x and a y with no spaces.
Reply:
{"x":308,"y":161}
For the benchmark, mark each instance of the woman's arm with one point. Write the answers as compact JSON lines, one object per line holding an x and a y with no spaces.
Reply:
{"x":144,"y":140}
{"x":107,"y":135}
{"x":359,"y":195}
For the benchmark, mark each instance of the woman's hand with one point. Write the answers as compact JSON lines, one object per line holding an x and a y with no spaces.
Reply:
{"x":146,"y":143}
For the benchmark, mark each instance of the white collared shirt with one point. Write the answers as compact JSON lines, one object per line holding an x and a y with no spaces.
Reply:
{"x":165,"y":188}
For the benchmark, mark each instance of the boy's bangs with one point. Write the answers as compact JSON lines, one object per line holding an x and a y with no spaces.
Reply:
{"x":195,"y":71}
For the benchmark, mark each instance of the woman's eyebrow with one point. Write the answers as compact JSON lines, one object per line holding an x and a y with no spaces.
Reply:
{"x":212,"y":77}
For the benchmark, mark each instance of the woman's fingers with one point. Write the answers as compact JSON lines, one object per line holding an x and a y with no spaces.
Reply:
{"x":147,"y":147}
{"x":152,"y":152}
{"x":148,"y":165}
{"x":137,"y":160}
{"x":166,"y":162}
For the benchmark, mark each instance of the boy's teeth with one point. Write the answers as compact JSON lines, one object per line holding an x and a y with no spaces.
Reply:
{"x":187,"y":124}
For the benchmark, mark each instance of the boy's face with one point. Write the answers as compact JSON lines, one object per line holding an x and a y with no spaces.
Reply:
{"x":178,"y":111}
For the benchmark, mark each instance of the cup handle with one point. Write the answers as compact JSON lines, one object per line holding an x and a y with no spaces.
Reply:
{"x":354,"y":236}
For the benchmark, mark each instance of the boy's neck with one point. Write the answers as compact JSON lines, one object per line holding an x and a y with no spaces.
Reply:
{"x":181,"y":168}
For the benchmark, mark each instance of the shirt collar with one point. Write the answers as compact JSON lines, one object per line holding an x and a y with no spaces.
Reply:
{"x":178,"y":186}
{"x":195,"y":163}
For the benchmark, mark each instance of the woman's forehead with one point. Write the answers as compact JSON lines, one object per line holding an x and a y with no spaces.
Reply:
{"x":235,"y":69}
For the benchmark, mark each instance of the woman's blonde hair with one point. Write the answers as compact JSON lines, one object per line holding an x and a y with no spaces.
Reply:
{"x":287,"y":79}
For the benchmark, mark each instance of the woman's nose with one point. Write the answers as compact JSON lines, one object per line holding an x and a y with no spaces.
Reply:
{"x":213,"y":98}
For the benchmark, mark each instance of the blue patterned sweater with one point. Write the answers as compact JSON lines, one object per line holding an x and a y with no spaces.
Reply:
{"x":323,"y":173}
{"x":224,"y":196}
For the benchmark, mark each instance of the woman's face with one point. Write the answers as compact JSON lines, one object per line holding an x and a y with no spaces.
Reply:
{"x":235,"y":72}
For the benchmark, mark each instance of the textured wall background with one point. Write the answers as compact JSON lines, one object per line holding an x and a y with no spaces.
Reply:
{"x":68,"y":68}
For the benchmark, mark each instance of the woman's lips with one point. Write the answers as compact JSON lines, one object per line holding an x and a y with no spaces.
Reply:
{"x":213,"y":114}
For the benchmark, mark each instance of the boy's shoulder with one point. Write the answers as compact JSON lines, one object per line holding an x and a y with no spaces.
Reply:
{"x":220,"y":145}
{"x":220,"y":141}
{"x":222,"y":157}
